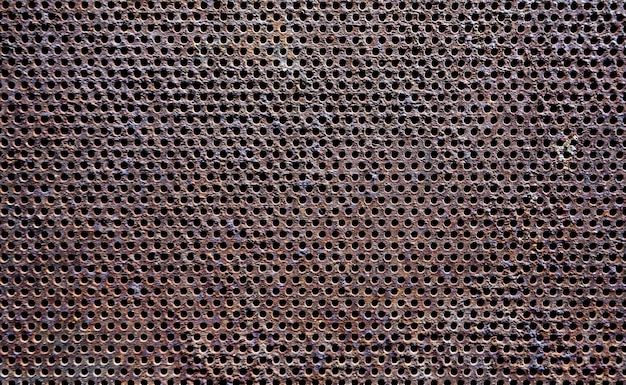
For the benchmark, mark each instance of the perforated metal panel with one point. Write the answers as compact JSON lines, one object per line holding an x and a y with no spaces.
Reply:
{"x":312,"y":192}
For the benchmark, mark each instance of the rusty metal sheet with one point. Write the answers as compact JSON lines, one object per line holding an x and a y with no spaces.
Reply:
{"x":317,"y":192}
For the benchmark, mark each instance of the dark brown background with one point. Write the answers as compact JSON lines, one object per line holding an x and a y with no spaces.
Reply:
{"x":312,"y":192}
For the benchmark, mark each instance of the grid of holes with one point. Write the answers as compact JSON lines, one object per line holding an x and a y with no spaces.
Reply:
{"x":312,"y":192}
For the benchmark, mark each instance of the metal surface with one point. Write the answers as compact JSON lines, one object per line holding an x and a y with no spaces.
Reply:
{"x":312,"y":192}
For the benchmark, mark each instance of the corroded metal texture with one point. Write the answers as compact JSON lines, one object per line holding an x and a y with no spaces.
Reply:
{"x":312,"y":192}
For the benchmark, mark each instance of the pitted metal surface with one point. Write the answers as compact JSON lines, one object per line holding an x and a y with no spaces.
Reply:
{"x":312,"y":192}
